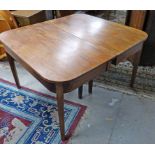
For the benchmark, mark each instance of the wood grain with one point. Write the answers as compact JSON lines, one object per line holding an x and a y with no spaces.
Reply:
{"x":9,"y":18}
{"x":101,"y":33}
{"x":65,"y":53}
{"x":66,"y":48}
{"x":4,"y":26}
{"x":137,"y":18}
{"x":25,"y":13}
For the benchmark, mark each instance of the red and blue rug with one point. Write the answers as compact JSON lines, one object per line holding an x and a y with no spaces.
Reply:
{"x":30,"y":117}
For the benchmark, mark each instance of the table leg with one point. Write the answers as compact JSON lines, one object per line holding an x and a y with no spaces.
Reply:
{"x":60,"y":102}
{"x":136,"y":61}
{"x":90,"y":86}
{"x":80,"y":91}
{"x":14,"y":71}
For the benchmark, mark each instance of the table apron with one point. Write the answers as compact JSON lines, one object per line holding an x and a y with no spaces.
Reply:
{"x":128,"y":53}
{"x":69,"y":86}
{"x":76,"y":83}
{"x":50,"y":86}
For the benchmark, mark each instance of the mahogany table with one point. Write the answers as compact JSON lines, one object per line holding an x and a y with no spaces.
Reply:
{"x":65,"y":53}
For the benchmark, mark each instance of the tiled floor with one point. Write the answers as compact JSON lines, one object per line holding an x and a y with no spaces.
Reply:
{"x":113,"y":116}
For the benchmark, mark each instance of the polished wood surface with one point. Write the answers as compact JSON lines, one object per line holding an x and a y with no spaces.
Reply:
{"x":7,"y":22}
{"x":13,"y":69}
{"x":136,"y":18}
{"x":25,"y":13}
{"x":4,"y":26}
{"x":9,"y":18}
{"x":65,"y":53}
{"x":75,"y":45}
{"x":101,"y":33}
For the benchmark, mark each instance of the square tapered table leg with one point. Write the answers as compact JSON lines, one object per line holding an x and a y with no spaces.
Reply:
{"x":13,"y":69}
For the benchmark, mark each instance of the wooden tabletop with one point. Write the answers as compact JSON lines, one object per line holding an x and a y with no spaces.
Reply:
{"x":25,"y":13}
{"x":101,"y":33}
{"x":63,"y":49}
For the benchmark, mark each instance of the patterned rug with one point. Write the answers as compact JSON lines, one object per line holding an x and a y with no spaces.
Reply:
{"x":30,"y":117}
{"x":120,"y":76}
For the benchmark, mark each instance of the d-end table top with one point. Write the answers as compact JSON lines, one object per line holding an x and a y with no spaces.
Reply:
{"x":63,"y":49}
